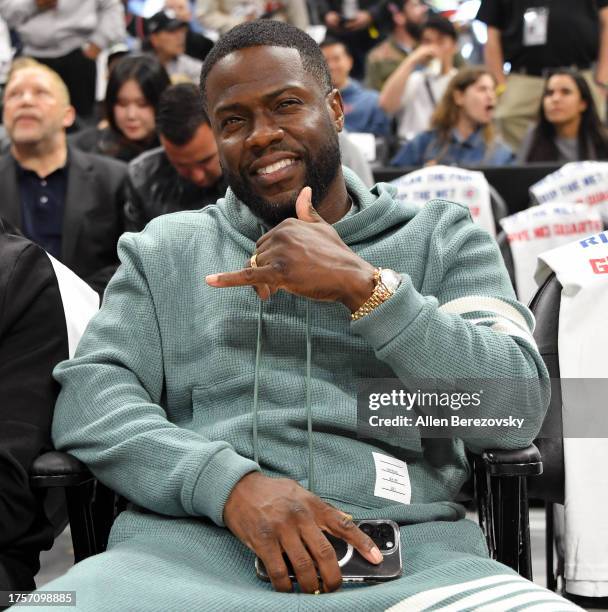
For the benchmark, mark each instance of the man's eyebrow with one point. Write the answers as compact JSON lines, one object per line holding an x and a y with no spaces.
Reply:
{"x":267,"y":97}
{"x":206,"y":158}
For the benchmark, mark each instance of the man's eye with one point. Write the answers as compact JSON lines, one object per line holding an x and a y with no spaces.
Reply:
{"x":288,"y":103}
{"x":230,"y":122}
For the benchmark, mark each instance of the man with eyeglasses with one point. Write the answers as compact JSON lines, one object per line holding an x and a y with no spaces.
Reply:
{"x":184,"y":173}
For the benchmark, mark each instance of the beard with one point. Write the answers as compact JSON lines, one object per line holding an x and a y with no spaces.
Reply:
{"x":318,"y":176}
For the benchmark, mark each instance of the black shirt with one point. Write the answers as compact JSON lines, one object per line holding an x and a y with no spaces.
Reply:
{"x":42,"y":204}
{"x":572,"y":32}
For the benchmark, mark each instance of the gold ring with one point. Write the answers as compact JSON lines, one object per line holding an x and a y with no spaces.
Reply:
{"x":347,"y":518}
{"x":253,"y":260}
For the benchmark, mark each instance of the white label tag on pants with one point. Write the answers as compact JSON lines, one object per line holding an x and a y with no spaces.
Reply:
{"x":392,"y":479}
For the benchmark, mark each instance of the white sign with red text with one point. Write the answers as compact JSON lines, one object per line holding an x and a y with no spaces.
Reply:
{"x":541,"y":228}
{"x":468,"y":187}
{"x":577,"y":182}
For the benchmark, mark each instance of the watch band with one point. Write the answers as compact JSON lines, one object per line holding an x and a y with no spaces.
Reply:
{"x":380,"y":294}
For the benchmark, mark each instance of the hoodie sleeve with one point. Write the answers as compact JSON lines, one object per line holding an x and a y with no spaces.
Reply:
{"x":109,"y":411}
{"x":471,"y":328}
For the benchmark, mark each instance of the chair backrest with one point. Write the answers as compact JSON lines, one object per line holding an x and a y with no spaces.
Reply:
{"x":499,"y":207}
{"x":507,"y":256}
{"x":545,"y":306}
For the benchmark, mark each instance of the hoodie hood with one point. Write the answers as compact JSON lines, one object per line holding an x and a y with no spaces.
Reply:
{"x":379,"y":211}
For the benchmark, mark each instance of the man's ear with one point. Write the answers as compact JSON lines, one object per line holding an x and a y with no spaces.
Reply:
{"x":69,"y":116}
{"x":335,"y":105}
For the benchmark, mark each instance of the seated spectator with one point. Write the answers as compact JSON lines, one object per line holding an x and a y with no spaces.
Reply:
{"x":410,"y":94}
{"x":32,"y":342}
{"x":166,"y":40}
{"x":134,"y":88}
{"x":385,"y":58}
{"x":361,"y":110}
{"x":158,"y":401}
{"x":462,"y":132}
{"x":222,"y":15}
{"x":33,"y":339}
{"x":67,"y":36}
{"x":67,"y":201}
{"x":197,"y":45}
{"x":185,"y":172}
{"x":569,"y":128}
{"x":356,"y":23}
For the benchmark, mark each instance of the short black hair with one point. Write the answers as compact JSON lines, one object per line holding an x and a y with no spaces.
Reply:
{"x":269,"y":33}
{"x":180,"y":113}
{"x":330,"y":41}
{"x":441,"y":25}
{"x":146,"y":71}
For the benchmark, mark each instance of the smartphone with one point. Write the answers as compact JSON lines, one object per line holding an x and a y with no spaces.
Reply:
{"x":354,"y":567}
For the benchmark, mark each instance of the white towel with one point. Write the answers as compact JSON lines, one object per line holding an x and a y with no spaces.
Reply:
{"x":80,"y":302}
{"x":582,"y":269}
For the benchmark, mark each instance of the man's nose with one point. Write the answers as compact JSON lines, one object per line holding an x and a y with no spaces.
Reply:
{"x":264,"y":132}
{"x":197,"y":176}
{"x":27,"y":97}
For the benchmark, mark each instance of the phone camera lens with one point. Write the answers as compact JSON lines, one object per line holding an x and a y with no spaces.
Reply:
{"x":367,"y":529}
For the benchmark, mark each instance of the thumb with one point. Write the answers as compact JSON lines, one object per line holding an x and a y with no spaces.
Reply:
{"x":304,"y":208}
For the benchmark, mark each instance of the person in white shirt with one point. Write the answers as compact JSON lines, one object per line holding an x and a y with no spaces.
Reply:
{"x":411,"y":94}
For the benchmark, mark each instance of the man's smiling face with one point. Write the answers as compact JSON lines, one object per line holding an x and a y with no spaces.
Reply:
{"x":276,"y":129}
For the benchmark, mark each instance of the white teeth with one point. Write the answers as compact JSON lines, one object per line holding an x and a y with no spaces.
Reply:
{"x":283,"y":163}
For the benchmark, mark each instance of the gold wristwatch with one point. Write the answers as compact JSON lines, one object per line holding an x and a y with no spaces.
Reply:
{"x":386,"y":283}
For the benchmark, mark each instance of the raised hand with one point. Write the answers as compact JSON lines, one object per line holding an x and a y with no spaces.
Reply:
{"x":306,"y":257}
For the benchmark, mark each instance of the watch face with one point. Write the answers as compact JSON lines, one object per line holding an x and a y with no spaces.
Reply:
{"x":390,"y":279}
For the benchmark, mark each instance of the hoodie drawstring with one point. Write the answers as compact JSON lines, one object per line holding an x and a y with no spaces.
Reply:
{"x":256,"y":385}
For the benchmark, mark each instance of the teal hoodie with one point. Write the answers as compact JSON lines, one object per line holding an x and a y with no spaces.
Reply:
{"x":158,"y":400}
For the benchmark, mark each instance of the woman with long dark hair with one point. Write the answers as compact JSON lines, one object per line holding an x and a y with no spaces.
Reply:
{"x":569,"y":127}
{"x":461,"y":127}
{"x":132,"y":95}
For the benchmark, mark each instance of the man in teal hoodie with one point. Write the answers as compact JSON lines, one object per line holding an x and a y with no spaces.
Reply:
{"x":216,"y":388}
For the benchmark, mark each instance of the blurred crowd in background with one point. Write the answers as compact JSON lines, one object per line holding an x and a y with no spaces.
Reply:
{"x":111,"y":87}
{"x":410,"y":72}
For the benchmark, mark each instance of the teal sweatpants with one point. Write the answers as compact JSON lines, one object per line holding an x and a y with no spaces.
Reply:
{"x":185,"y":565}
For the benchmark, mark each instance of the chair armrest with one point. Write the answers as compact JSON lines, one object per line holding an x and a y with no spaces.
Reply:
{"x":518,"y":462}
{"x":56,"y":469}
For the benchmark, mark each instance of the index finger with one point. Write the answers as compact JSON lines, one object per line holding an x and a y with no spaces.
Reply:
{"x":240,"y":278}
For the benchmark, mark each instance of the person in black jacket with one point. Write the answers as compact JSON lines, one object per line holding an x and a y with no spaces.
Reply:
{"x":185,"y":172}
{"x":44,"y":309}
{"x":67,"y":201}
{"x":33,"y":340}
